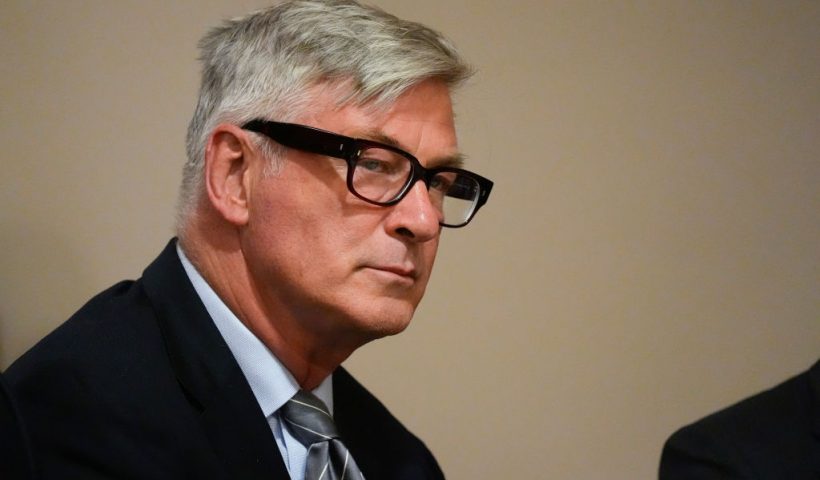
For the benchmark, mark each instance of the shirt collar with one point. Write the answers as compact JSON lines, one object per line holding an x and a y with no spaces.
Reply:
{"x":272,"y":384}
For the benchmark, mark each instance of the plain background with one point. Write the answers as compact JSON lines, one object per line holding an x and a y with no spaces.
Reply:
{"x":649,"y":254}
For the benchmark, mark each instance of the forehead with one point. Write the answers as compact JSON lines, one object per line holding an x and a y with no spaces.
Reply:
{"x":419,"y":121}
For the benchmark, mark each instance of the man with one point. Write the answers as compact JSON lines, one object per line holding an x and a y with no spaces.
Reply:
{"x":772,"y":435}
{"x":322,"y":164}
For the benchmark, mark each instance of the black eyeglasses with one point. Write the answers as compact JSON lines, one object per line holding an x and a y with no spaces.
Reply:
{"x":382,"y":174}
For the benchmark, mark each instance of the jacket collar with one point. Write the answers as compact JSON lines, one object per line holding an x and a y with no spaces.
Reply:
{"x":209,"y":374}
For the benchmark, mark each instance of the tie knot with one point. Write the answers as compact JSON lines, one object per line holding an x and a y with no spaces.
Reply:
{"x":309,"y":419}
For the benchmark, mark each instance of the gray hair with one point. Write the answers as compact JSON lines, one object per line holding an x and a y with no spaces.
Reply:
{"x":263,"y":65}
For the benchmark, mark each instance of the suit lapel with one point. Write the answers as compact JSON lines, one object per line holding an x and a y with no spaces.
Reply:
{"x":209,"y":374}
{"x":356,"y":424}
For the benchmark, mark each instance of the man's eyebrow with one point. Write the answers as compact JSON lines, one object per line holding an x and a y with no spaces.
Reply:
{"x":455,"y":161}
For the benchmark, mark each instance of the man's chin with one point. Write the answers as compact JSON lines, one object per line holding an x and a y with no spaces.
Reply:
{"x":384,"y":323}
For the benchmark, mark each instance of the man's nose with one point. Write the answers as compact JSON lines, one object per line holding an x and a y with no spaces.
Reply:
{"x":415,"y":217}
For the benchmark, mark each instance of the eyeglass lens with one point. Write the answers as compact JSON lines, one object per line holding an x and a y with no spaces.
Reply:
{"x":380,"y":175}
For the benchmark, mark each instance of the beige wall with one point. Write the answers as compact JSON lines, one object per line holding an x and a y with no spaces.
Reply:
{"x":650,"y":252}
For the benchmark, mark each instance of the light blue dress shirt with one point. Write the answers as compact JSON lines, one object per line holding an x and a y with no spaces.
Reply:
{"x":271,"y":382}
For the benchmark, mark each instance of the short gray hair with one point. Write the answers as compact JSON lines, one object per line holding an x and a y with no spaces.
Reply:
{"x":262,"y":66}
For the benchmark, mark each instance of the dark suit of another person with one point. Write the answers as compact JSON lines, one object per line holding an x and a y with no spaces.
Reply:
{"x":139,"y":384}
{"x":16,"y":462}
{"x":772,"y":435}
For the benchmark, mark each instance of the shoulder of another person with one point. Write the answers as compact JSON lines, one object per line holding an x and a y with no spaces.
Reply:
{"x":767,"y":435}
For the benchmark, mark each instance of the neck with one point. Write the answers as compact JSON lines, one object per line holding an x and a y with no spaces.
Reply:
{"x":309,"y":355}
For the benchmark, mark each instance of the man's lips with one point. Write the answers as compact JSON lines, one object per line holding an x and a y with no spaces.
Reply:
{"x":399,"y":270}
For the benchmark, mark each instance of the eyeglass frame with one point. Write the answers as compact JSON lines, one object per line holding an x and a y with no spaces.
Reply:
{"x":322,"y":142}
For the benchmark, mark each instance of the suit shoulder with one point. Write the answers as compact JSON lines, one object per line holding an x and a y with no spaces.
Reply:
{"x":775,"y":414}
{"x":769,"y":433}
{"x":106,"y":335}
{"x":100,"y":399}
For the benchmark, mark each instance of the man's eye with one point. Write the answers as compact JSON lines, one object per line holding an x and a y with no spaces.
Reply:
{"x":441,"y":183}
{"x":374,"y":165}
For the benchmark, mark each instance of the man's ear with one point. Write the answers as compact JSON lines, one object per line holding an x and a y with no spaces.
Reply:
{"x":228,"y":157}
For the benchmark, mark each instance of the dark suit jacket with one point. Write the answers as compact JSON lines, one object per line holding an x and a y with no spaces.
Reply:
{"x":772,"y":435}
{"x":139,"y":384}
{"x":15,"y":456}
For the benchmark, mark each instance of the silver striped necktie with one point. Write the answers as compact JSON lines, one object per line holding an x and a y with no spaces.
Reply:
{"x":309,"y":420}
